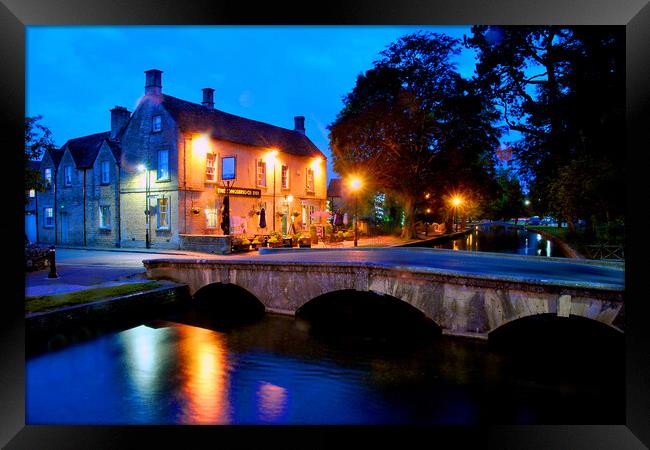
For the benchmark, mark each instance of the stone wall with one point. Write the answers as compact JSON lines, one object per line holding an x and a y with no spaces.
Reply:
{"x":219,"y":244}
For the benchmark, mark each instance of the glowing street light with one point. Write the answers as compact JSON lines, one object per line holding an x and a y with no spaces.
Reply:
{"x":355,"y":184}
{"x":143,"y":169}
{"x":456,"y":202}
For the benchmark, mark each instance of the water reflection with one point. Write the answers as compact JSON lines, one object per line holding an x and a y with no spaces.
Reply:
{"x":272,"y":401}
{"x":499,"y":239}
{"x":203,"y":363}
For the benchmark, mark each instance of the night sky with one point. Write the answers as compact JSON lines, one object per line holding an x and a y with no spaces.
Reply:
{"x":75,"y":75}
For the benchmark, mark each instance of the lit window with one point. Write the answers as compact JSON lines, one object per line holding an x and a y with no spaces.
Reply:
{"x":163,"y":213}
{"x":310,"y":179}
{"x":285,"y":176}
{"x":261,"y":172}
{"x":32,"y":193}
{"x":67,"y":176}
{"x":163,"y":164}
{"x":157,"y":123}
{"x":48,"y":213}
{"x":210,"y":172}
{"x":228,"y":168}
{"x":48,"y":177}
{"x":106,"y":172}
{"x":104,"y":216}
{"x":211,"y":218}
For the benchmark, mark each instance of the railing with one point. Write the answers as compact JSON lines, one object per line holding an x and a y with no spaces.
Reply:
{"x":602,"y":251}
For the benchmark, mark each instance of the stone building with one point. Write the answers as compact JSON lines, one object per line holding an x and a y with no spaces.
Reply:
{"x":175,"y":159}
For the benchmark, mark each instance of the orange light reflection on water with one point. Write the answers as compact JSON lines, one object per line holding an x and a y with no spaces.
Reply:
{"x":272,"y":401}
{"x":202,"y":355}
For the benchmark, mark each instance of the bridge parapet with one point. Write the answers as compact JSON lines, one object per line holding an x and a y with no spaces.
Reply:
{"x":460,"y":303}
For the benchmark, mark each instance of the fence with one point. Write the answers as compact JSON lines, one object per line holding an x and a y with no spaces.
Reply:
{"x":602,"y":251}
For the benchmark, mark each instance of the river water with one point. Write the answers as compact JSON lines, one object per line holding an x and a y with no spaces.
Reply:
{"x":498,"y":239}
{"x":182,"y":367}
{"x":276,"y":371}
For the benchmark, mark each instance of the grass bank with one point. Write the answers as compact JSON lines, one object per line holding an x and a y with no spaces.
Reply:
{"x":53,"y":302}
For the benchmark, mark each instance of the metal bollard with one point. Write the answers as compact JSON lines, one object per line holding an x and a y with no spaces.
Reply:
{"x":51,"y":256}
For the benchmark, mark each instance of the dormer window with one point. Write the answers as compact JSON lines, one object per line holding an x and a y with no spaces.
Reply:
{"x":67,"y":176}
{"x":157,"y":124}
{"x":48,"y":177}
{"x":105,"y":172}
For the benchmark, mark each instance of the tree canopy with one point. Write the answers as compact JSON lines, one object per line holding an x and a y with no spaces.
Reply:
{"x":412,"y":124}
{"x":562,"y":88}
{"x":38,"y":139}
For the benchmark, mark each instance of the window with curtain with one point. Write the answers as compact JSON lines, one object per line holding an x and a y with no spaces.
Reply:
{"x":285,"y":176}
{"x":261,"y":172}
{"x":163,"y":213}
{"x":163,"y":165}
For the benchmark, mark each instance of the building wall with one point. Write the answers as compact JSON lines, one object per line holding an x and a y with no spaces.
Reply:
{"x":46,"y":199}
{"x":201,"y":194}
{"x":98,"y":194}
{"x":140,"y":145}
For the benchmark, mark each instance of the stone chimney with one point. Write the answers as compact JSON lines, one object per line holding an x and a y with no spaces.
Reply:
{"x":153,"y":83}
{"x":208,"y":98}
{"x":119,"y":117}
{"x":299,"y":126}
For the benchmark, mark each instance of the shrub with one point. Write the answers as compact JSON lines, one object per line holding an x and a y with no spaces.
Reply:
{"x":313,"y":235}
{"x":35,"y":257}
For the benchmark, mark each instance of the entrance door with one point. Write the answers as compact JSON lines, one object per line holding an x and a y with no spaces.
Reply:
{"x":284,"y":224}
{"x":30,"y":227}
{"x":65,"y":229}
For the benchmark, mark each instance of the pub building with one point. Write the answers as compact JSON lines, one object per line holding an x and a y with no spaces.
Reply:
{"x":160,"y":176}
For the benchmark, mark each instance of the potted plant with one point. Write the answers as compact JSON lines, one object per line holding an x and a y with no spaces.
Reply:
{"x":273,"y":242}
{"x":255,"y":243}
{"x":246,"y":244}
{"x":313,"y":235}
{"x":304,"y":242}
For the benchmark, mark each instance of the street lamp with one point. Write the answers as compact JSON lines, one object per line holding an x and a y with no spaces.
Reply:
{"x":143,"y":169}
{"x":355,"y":184}
{"x":456,"y":201}
{"x":270,"y":157}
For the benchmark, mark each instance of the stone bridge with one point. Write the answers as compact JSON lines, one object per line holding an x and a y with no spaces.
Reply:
{"x":466,"y":294}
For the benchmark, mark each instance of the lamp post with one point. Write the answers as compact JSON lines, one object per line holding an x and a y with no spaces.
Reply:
{"x":355,"y":183}
{"x":270,"y":157}
{"x":456,"y":201}
{"x":143,"y":169}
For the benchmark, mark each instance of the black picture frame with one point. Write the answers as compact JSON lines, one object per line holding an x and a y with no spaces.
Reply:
{"x":633,"y":14}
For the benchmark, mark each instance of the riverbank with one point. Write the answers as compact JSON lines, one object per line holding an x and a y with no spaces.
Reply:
{"x":137,"y":305}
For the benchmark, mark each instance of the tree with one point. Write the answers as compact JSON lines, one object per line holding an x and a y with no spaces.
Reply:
{"x":38,"y":139}
{"x":562,"y":88}
{"x":403,"y":114}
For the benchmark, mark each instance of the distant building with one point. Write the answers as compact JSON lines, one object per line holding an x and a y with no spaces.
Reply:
{"x":182,"y":155}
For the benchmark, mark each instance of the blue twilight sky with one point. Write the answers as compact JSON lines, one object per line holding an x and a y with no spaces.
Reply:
{"x":75,"y":74}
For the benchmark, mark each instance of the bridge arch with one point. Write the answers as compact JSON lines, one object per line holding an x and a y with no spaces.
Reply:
{"x":366,"y":313}
{"x":227,"y":301}
{"x":549,"y":330}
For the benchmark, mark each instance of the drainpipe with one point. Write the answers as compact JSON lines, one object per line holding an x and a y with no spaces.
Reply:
{"x":36,"y":213}
{"x":84,"y":200}
{"x":184,"y":185}
{"x":118,"y":219}
{"x":55,"y":212}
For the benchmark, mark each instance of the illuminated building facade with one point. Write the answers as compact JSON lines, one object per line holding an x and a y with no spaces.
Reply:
{"x":190,"y":152}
